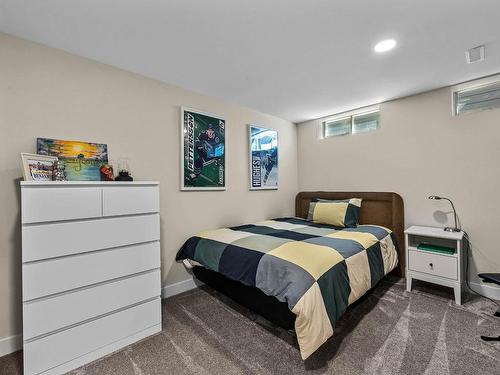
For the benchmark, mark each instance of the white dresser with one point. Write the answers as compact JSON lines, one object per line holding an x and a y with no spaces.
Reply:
{"x":91,"y":270}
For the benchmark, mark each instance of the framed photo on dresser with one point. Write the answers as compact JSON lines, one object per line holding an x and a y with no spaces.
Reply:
{"x":203,"y":150}
{"x":38,"y":167}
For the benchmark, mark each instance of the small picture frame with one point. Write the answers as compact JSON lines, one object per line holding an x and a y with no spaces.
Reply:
{"x":38,"y":167}
{"x":107,"y":173}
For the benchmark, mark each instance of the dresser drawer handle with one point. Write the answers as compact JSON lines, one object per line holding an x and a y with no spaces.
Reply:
{"x":431,"y":265}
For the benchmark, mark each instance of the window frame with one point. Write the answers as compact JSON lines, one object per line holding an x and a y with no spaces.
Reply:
{"x":469,"y":86}
{"x":334,"y":120}
{"x":349,"y":115}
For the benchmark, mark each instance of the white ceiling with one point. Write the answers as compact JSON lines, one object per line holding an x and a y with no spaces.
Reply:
{"x":296,"y":59}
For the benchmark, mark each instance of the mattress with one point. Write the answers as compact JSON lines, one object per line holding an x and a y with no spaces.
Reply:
{"x":318,"y":270}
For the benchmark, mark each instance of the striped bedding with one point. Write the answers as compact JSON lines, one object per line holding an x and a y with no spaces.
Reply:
{"x":317,"y":269}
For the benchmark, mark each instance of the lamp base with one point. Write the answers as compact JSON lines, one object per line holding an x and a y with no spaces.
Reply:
{"x":449,"y":229}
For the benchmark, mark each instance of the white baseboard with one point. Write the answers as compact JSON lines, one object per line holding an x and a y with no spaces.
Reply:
{"x":180,"y":287}
{"x":10,"y":344}
{"x":489,"y":291}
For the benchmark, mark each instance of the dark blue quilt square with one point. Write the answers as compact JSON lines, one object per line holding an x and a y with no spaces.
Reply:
{"x":242,"y":227}
{"x":257,"y":229}
{"x":292,"y":220}
{"x":238,"y":263}
{"x":187,"y":250}
{"x":335,"y":289}
{"x":327,"y":226}
{"x":290,"y":235}
{"x":376,"y":263}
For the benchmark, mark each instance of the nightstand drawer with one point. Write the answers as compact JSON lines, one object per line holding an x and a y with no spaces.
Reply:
{"x":433,"y":264}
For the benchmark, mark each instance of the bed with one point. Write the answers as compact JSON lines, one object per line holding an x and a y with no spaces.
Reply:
{"x":298,"y":274}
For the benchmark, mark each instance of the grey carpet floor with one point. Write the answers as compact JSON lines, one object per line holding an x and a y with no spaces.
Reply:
{"x":389,"y":331}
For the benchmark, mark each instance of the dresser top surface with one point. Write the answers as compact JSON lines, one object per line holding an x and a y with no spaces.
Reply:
{"x":87,"y":183}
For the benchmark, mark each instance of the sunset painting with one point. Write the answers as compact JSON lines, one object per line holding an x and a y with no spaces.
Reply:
{"x":82,"y":159}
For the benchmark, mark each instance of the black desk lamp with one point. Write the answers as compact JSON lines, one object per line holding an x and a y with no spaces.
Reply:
{"x":448,"y":229}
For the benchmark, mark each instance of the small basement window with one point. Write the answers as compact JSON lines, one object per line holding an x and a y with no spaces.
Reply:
{"x":476,"y":95}
{"x":358,"y":121}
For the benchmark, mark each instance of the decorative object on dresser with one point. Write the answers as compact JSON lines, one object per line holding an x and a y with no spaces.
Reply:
{"x":37,"y":167}
{"x":123,"y":171}
{"x":59,"y":171}
{"x":83,"y":160}
{"x":435,"y":256}
{"x":90,"y":268}
{"x":107,"y":172}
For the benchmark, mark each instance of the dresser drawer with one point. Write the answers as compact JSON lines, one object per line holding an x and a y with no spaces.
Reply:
{"x":67,"y":238}
{"x":61,"y":347}
{"x":433,"y":264}
{"x":47,"y":315}
{"x":60,"y":203}
{"x":58,"y":275}
{"x":130,"y":200}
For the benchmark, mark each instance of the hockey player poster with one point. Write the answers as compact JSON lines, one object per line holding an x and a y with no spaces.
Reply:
{"x":263,"y":158}
{"x":203,"y":151}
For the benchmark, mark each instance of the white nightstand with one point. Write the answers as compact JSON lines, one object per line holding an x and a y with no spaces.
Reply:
{"x":434,"y":267}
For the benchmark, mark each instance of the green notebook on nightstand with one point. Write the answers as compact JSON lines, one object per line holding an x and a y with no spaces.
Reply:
{"x":436,"y":248}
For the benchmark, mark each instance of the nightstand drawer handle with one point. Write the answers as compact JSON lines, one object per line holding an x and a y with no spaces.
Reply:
{"x":431,"y":265}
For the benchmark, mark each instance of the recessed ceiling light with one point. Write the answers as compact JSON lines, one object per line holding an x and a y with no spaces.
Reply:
{"x":385,"y":45}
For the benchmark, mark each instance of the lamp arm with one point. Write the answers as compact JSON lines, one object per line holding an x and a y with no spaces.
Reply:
{"x":454,"y":211}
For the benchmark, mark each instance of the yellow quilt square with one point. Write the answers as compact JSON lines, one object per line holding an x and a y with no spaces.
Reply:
{"x":315,"y":259}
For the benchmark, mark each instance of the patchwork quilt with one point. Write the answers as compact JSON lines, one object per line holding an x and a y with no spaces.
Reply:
{"x":317,"y":269}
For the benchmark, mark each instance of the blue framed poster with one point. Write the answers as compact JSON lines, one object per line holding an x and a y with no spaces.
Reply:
{"x":264,"y":167}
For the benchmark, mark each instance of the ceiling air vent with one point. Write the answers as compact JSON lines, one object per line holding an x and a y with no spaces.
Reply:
{"x":475,"y":54}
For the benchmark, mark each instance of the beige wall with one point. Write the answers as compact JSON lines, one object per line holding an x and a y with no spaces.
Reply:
{"x":420,"y":150}
{"x":49,"y":93}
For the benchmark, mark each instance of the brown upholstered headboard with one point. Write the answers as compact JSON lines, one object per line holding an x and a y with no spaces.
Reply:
{"x":384,"y":209}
